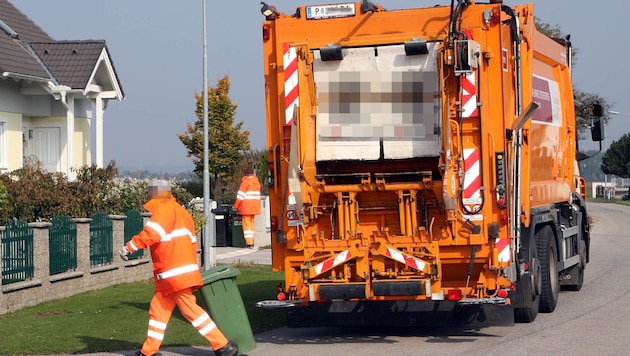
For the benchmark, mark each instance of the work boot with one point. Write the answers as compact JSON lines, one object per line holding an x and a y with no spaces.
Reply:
{"x":231,"y":349}
{"x":139,"y":353}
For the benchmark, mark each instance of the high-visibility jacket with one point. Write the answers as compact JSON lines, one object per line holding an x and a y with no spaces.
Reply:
{"x":170,"y":234}
{"x":248,"y":197}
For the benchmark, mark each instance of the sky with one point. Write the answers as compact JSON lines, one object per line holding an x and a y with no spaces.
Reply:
{"x":157,"y":50}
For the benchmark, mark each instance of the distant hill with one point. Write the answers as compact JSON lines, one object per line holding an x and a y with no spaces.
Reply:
{"x":590,"y":168}
{"x":157,"y":171}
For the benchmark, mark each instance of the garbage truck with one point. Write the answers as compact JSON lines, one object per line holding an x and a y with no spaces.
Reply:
{"x":422,"y":165}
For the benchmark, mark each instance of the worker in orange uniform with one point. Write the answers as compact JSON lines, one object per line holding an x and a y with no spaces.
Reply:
{"x":247,"y":204}
{"x":170,"y":234}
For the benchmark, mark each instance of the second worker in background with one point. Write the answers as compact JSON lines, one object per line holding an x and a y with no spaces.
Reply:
{"x":247,"y":203}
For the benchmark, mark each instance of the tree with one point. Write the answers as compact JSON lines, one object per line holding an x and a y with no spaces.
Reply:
{"x":616,"y":160}
{"x":226,"y":138}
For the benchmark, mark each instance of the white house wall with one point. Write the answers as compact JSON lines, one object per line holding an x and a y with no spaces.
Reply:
{"x":32,"y":112}
{"x":10,"y":100}
{"x":82,"y":151}
{"x":82,"y":132}
{"x":13,"y":139}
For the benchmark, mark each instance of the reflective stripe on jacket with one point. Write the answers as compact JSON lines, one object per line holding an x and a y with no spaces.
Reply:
{"x":170,"y":234}
{"x":248,"y":197}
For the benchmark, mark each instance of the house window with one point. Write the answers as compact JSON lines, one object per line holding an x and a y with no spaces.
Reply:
{"x":3,"y":146}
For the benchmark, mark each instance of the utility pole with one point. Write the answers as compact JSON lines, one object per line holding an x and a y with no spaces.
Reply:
{"x":209,"y":253}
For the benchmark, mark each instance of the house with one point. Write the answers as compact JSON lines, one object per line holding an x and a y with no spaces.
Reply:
{"x":53,"y":96}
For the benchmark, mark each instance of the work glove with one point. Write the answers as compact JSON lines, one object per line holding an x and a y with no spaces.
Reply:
{"x":124,"y":252}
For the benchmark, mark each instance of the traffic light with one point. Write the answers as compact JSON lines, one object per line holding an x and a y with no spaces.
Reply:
{"x":597,"y":128}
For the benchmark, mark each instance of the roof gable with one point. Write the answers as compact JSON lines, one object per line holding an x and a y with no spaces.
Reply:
{"x":71,"y":62}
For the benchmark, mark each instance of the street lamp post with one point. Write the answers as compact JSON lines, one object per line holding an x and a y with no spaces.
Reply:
{"x":618,"y":113}
{"x":208,"y":251}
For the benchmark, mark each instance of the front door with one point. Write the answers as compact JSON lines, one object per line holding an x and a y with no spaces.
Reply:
{"x":46,"y":147}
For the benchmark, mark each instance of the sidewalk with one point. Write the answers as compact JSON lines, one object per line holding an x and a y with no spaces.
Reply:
{"x":224,"y":255}
{"x":243,"y":255}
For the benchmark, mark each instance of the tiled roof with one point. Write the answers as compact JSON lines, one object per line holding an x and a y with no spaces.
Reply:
{"x":27,"y":30}
{"x":71,"y":62}
{"x":26,"y":50}
{"x":14,"y":53}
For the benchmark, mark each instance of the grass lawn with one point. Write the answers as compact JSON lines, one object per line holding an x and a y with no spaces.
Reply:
{"x":115,"y":318}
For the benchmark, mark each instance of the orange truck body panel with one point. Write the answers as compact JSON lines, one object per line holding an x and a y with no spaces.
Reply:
{"x":401,"y":176}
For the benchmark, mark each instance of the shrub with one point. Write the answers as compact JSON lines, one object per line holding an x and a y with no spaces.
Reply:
{"x":32,"y":194}
{"x":5,"y":208}
{"x":132,"y":193}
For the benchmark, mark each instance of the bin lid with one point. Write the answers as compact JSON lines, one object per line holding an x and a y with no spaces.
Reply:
{"x":217,"y":273}
{"x":221,"y":211}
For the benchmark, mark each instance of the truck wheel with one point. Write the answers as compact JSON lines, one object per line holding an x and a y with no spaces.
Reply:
{"x":550,"y":283}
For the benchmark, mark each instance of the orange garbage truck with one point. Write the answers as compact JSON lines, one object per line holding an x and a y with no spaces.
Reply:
{"x":422,"y":165}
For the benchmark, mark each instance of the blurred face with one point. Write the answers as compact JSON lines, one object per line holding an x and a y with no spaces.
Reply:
{"x":156,"y":192}
{"x":153,"y":192}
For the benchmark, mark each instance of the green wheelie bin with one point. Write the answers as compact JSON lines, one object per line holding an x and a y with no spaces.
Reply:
{"x":236,"y":227}
{"x":222,"y":300}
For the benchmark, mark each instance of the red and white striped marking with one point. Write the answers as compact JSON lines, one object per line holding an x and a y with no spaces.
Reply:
{"x":405,"y":259}
{"x":503,"y":245}
{"x":291,"y":90}
{"x":333,"y":262}
{"x":472,"y":177}
{"x":469,"y":95}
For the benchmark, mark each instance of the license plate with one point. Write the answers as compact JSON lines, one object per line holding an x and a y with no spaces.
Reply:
{"x":330,"y":11}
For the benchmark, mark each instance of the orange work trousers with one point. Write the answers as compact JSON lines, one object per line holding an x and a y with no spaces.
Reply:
{"x":160,"y":312}
{"x":248,"y":229}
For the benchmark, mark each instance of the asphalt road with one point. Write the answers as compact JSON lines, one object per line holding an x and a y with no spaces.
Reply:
{"x":593,"y":321}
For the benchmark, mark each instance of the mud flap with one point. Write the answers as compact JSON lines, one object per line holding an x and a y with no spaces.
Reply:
{"x":522,"y":296}
{"x":399,"y":314}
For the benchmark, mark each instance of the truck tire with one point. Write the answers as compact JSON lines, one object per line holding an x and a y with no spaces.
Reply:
{"x":550,"y":282}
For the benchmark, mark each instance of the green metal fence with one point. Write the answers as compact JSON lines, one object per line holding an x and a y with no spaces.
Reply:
{"x":17,"y":252}
{"x":133,"y":225}
{"x":101,"y":240}
{"x":62,"y":238}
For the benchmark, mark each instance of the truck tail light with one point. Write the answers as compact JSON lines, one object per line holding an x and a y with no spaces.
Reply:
{"x":503,"y":293}
{"x":454,"y":294}
{"x":274,"y":224}
{"x":270,"y":174}
{"x":266,"y":33}
{"x":496,"y":16}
